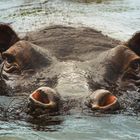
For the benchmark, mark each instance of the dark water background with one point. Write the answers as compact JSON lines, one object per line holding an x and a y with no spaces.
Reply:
{"x":116,"y":18}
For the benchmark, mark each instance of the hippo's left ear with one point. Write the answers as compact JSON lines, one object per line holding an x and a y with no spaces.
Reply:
{"x":8,"y":37}
{"x":134,"y":43}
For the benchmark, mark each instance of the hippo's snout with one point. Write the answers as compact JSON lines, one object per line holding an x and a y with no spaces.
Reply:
{"x":45,"y":98}
{"x":103,"y":100}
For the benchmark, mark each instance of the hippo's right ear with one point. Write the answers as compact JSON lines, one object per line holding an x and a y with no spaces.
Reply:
{"x":134,"y":43}
{"x":8,"y":37}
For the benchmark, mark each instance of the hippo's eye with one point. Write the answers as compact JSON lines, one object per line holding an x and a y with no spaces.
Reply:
{"x":135,"y":65}
{"x":10,"y":59}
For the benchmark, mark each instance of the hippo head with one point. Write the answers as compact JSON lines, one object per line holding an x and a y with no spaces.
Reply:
{"x":103,"y":100}
{"x":24,"y":56}
{"x":115,"y":69}
{"x":44,"y":98}
{"x":122,"y":63}
{"x":7,"y":37}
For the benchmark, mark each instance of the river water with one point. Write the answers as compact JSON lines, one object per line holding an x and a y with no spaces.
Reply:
{"x":115,"y":18}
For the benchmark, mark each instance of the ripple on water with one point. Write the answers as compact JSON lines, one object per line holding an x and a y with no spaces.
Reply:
{"x":77,"y":127}
{"x":116,"y":18}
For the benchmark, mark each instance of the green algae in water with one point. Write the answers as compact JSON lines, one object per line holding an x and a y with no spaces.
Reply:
{"x":26,"y":12}
{"x":90,"y":1}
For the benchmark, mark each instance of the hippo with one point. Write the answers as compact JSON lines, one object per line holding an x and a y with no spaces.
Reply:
{"x":59,"y":64}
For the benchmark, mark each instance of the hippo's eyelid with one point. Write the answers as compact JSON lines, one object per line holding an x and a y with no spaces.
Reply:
{"x":135,"y":65}
{"x":10,"y":59}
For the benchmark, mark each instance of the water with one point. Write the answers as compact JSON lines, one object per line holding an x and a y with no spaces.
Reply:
{"x":116,"y":18}
{"x":76,"y":128}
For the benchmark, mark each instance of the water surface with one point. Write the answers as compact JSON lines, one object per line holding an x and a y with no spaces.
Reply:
{"x":76,"y":127}
{"x":116,"y":18}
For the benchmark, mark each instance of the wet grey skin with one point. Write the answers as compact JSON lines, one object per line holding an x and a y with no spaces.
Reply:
{"x":110,"y":64}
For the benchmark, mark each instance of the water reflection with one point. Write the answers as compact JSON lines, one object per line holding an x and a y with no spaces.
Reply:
{"x":78,"y":128}
{"x":50,"y":123}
